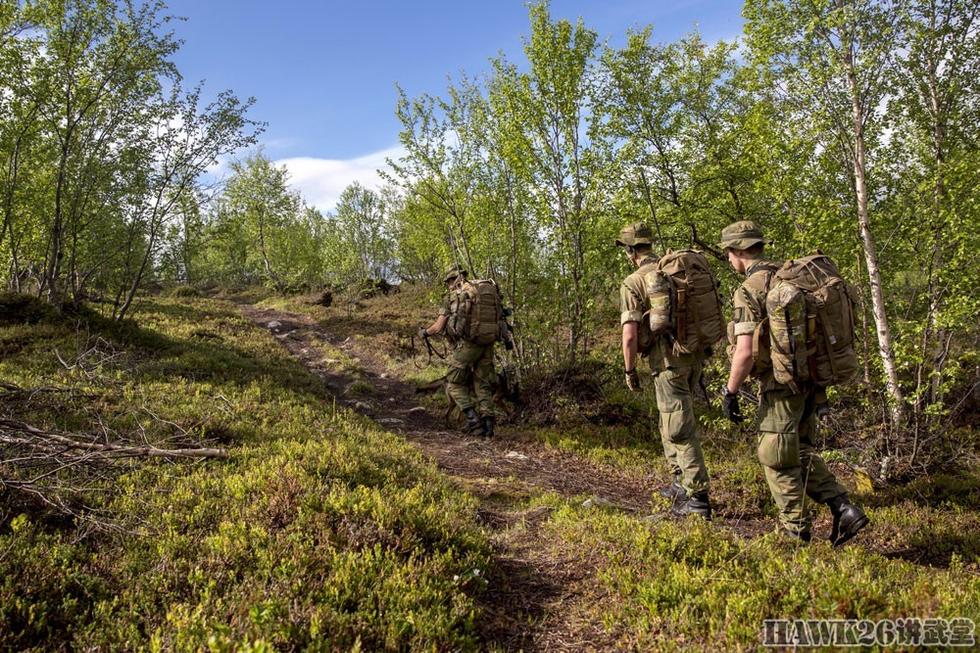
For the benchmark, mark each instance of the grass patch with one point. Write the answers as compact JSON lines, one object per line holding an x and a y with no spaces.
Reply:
{"x":693,"y":586}
{"x":24,"y":309}
{"x":382,"y":325}
{"x":321,"y":531}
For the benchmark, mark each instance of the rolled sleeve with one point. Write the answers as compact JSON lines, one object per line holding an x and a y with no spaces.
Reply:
{"x":744,"y":328}
{"x":630,"y":316}
{"x":746,"y":313}
{"x":632,"y":303}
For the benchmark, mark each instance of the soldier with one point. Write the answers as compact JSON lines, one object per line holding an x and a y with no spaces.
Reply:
{"x":471,"y":366}
{"x":787,"y":420}
{"x":676,"y":376}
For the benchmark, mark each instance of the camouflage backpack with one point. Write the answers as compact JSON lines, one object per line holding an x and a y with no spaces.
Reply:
{"x":811,"y":324}
{"x":684,"y":302}
{"x":476,"y":312}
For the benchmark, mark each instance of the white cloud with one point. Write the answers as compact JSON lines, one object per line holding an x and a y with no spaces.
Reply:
{"x":220,"y":168}
{"x":321,"y":181}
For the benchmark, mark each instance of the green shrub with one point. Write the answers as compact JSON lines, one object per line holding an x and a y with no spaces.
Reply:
{"x":691,"y":585}
{"x":23,"y":309}
{"x":183,"y":291}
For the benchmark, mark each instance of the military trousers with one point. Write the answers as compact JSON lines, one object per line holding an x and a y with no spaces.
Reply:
{"x":470,"y":377}
{"x":675,"y":388}
{"x":794,"y":470}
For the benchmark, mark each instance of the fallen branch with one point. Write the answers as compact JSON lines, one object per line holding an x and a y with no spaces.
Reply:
{"x":11,"y":390}
{"x":9,"y":428}
{"x":95,"y":353}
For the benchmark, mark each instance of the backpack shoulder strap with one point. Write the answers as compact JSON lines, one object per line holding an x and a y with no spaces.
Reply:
{"x":759,"y":279}
{"x":759,"y":282}
{"x":770,"y":275}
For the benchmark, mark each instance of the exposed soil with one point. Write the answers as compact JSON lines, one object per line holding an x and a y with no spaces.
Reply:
{"x":537,"y":594}
{"x":505,"y":457}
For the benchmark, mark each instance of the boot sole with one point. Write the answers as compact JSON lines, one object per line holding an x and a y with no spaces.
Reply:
{"x":849,"y":534}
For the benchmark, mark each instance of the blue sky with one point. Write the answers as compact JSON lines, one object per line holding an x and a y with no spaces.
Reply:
{"x":324,"y":73}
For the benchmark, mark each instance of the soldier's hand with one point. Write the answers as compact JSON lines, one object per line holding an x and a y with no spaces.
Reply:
{"x":633,"y":381}
{"x":731,"y":407}
{"x":423,"y":332}
{"x":823,"y":412}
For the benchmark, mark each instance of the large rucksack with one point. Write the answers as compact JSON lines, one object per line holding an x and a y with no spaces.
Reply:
{"x":684,"y":302}
{"x":810,"y":311}
{"x":476,"y":312}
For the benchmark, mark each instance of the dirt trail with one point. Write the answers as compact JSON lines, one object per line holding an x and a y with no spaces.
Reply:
{"x":395,"y":405}
{"x":535,"y":596}
{"x":532,"y":591}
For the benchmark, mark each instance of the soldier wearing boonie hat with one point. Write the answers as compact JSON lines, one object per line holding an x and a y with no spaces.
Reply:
{"x":454,"y":273}
{"x":795,"y":471}
{"x":675,"y":378}
{"x":636,"y":234}
{"x":469,"y":381}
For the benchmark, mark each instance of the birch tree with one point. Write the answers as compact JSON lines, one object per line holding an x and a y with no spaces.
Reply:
{"x":831,"y":59}
{"x":552,"y":108}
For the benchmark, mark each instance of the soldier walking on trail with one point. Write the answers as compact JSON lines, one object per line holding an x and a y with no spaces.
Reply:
{"x":471,"y":319}
{"x":787,"y":412}
{"x":677,"y":373}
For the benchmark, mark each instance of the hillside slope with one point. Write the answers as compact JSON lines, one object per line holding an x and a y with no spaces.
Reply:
{"x":570,"y":490}
{"x":349,"y":515}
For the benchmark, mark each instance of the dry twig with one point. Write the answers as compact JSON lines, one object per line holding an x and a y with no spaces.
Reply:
{"x":16,"y":432}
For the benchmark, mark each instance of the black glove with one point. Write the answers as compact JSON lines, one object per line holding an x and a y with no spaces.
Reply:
{"x":730,"y":405}
{"x":633,"y":381}
{"x":423,"y":333}
{"x":823,"y":412}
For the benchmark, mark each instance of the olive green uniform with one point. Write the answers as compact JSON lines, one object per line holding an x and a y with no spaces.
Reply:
{"x":471,"y":374}
{"x":787,"y":419}
{"x":676,"y":379}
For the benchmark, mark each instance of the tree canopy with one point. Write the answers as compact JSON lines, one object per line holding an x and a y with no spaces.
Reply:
{"x":845,"y":125}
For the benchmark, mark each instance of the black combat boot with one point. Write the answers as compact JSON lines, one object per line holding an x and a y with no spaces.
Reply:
{"x":696,"y":504}
{"x":488,"y":423}
{"x":675,"y":489}
{"x":849,"y":519}
{"x":473,"y":423}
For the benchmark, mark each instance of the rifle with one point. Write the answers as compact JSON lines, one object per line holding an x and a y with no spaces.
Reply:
{"x":704,"y":390}
{"x":430,"y":351}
